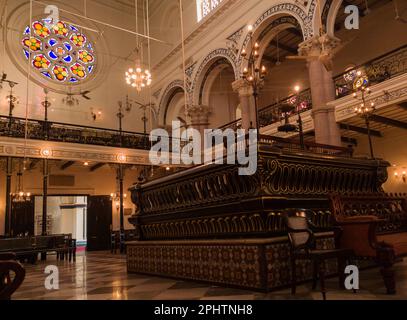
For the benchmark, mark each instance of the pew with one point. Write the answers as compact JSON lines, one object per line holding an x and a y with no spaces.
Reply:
{"x":374,"y":227}
{"x":12,"y":275}
{"x":28,"y":248}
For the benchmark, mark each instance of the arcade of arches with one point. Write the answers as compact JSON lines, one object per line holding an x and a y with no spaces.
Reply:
{"x":84,"y":94}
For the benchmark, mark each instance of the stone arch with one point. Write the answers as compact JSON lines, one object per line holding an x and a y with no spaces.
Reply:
{"x":174,"y":87}
{"x":329,"y":14}
{"x":304,"y":20}
{"x":207,"y":62}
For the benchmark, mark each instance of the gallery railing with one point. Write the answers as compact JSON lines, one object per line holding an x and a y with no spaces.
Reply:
{"x":215,"y":201}
{"x":62,"y":132}
{"x":387,"y":66}
{"x":293,"y":145}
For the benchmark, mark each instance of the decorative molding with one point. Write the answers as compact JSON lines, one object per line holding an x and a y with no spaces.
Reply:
{"x":174,"y":84}
{"x":202,"y":26}
{"x":304,"y":20}
{"x":206,"y":63}
{"x":68,"y":151}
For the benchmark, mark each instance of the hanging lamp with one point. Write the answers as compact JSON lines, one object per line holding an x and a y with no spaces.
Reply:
{"x":137,"y":76}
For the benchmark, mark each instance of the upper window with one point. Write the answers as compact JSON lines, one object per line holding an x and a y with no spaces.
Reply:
{"x":63,"y":54}
{"x":204,"y":7}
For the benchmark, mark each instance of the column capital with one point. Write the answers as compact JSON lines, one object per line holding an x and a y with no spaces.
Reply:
{"x":318,"y":46}
{"x":243,"y":88}
{"x":199,"y":114}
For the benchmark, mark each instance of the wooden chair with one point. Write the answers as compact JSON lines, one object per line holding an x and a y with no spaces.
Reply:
{"x":9,"y":283}
{"x":303,"y":247}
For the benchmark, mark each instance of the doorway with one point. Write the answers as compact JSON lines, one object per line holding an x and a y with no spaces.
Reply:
{"x":65,"y":215}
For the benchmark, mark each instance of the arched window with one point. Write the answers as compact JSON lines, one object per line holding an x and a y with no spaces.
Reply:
{"x":62,"y":54}
{"x":204,"y":7}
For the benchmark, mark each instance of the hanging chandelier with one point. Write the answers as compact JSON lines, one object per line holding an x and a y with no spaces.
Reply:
{"x":139,"y":77}
{"x":20,"y":196}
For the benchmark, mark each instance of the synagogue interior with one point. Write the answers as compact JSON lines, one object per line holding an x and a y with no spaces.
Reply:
{"x":203,"y":149}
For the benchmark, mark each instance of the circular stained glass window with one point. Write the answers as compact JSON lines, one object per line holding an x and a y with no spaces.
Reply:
{"x":63,"y":54}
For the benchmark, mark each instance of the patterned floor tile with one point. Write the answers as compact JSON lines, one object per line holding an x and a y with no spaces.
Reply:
{"x":103,"y":276}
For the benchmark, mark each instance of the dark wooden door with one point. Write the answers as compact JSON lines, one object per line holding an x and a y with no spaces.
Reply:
{"x":99,"y":219}
{"x":22,"y":218}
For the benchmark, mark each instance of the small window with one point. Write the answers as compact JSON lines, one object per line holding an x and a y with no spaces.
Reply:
{"x":204,"y":7}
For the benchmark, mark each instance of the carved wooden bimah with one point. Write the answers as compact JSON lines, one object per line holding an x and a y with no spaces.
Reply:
{"x":208,"y":223}
{"x":375,"y":228}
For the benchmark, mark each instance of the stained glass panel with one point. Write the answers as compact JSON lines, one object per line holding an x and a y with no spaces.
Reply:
{"x":62,"y":54}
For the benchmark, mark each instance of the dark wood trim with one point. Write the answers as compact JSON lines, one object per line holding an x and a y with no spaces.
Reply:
{"x":389,"y":121}
{"x":96,"y":167}
{"x":349,"y":127}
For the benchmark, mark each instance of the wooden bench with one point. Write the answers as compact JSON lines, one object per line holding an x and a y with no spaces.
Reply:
{"x":28,"y":248}
{"x":12,"y":275}
{"x":374,"y":227}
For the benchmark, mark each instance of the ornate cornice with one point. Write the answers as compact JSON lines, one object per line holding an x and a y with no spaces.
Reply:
{"x":13,"y":147}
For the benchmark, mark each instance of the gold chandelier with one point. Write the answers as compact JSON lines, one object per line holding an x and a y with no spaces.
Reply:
{"x":139,"y":77}
{"x":20,"y":196}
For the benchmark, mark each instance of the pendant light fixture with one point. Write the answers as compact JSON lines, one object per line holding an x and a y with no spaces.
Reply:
{"x":138,"y":77}
{"x":20,"y":196}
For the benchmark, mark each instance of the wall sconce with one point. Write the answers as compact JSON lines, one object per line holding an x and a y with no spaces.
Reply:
{"x":402,"y":175}
{"x":95,"y":114}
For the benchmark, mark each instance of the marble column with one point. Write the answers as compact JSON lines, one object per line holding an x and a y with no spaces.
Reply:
{"x":319,"y":50}
{"x":245,"y":92}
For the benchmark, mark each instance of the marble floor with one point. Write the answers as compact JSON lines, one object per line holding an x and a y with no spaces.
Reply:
{"x":102,"y":276}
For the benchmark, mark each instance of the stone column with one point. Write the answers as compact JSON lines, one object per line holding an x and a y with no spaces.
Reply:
{"x":319,"y":50}
{"x":199,"y":115}
{"x":245,"y":92}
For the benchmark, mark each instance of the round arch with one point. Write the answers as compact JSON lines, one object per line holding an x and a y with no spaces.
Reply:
{"x":273,"y":17}
{"x":201,"y":73}
{"x":329,"y":14}
{"x":174,"y":88}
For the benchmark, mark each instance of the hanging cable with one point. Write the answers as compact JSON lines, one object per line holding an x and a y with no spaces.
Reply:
{"x":183,"y":53}
{"x":28,"y":86}
{"x":4,"y":37}
{"x":149,"y":67}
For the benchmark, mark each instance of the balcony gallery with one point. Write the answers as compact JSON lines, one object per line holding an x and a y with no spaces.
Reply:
{"x":203,"y":149}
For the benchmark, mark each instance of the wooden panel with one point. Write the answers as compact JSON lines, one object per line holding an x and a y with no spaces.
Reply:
{"x":99,"y":220}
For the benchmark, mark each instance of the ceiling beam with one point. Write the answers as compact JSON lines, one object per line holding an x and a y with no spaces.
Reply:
{"x":284,"y":47}
{"x":389,"y":121}
{"x":67,"y":164}
{"x":357,"y":129}
{"x":295,"y":32}
{"x":96,"y":167}
{"x":403,"y":105}
{"x":344,"y":139}
{"x":269,"y":59}
{"x":33,"y":164}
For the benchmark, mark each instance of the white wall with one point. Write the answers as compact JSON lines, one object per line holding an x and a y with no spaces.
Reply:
{"x":100,"y":182}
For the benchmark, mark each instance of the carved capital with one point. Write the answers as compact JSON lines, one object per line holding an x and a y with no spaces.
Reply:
{"x":242,"y":88}
{"x":318,"y":46}
{"x":199,"y":114}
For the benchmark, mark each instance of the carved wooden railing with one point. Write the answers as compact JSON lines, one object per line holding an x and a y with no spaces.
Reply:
{"x":272,"y":113}
{"x":387,"y":66}
{"x":62,"y":132}
{"x":215,"y":201}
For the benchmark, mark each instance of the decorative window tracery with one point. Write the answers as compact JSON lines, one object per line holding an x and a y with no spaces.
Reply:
{"x":205,"y":7}
{"x":63,"y":54}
